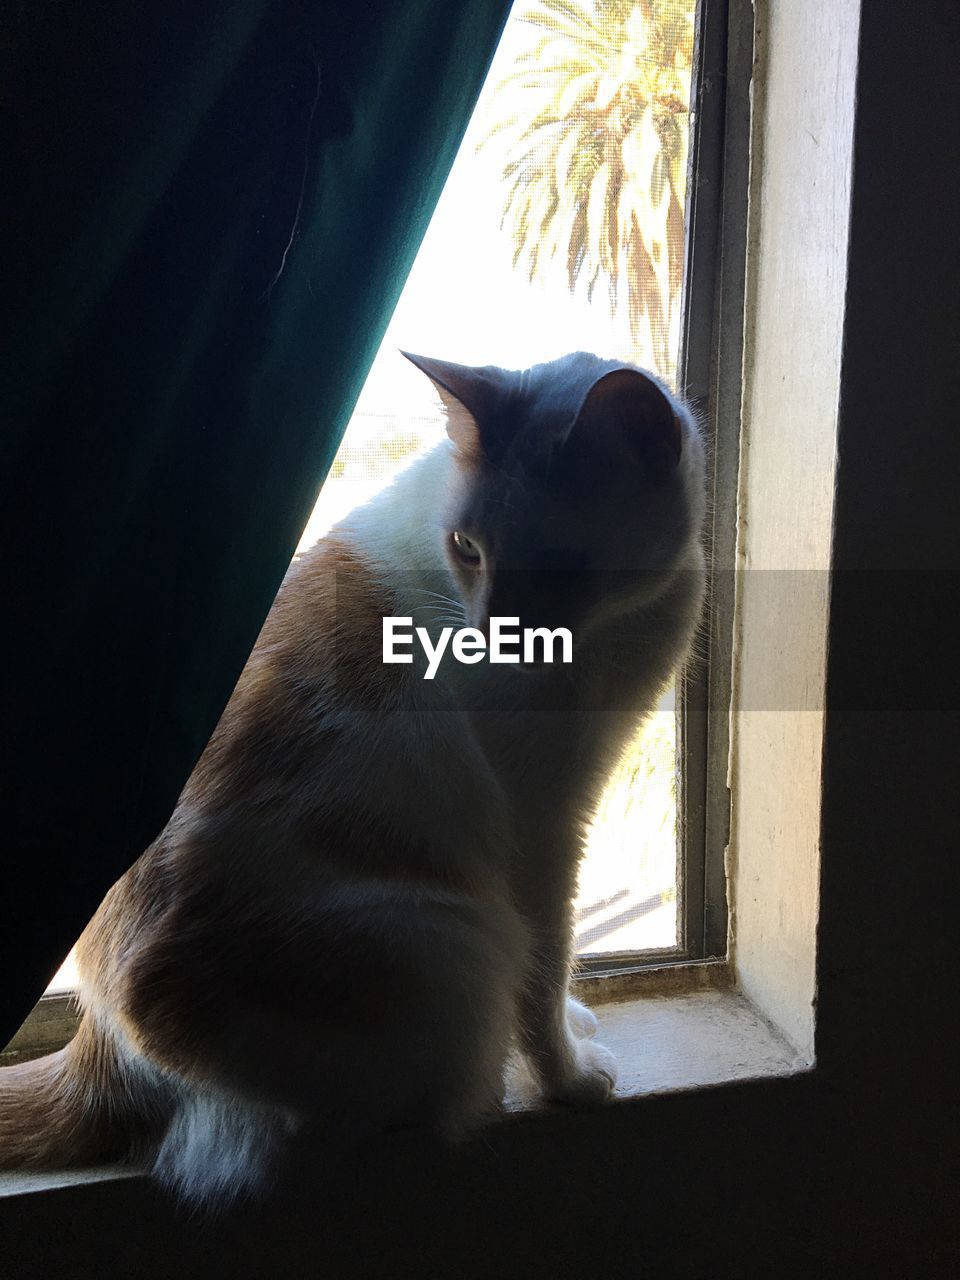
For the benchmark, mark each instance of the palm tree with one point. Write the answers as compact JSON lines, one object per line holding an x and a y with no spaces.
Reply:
{"x":595,"y":159}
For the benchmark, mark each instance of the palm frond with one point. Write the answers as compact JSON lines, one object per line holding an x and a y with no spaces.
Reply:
{"x":594,"y":154}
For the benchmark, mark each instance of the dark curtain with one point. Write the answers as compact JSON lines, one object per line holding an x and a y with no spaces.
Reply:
{"x":211,"y":209}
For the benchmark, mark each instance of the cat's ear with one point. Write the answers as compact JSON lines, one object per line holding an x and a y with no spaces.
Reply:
{"x":467,"y":394}
{"x":631,"y":419}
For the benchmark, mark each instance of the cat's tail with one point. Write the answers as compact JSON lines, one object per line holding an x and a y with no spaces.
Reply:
{"x":90,"y":1103}
{"x":73,"y":1107}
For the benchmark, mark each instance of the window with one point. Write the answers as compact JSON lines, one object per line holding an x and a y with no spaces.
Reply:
{"x":569,"y":222}
{"x":566,"y":223}
{"x":792,"y":323}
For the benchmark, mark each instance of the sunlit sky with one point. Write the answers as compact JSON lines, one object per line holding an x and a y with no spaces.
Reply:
{"x":463,"y":301}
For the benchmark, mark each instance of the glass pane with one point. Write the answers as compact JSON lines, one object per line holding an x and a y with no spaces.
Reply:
{"x":560,"y":228}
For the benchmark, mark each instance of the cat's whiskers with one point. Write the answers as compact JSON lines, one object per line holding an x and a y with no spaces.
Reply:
{"x":447,"y":611}
{"x":440,"y":617}
{"x":437,"y":595}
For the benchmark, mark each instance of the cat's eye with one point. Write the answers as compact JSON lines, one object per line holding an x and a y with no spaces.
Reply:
{"x":466,"y":548}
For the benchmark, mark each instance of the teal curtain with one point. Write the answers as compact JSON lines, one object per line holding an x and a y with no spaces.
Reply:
{"x":213,"y":207}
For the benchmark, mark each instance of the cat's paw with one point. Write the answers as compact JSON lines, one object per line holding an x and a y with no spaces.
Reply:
{"x":593,"y":1077}
{"x":581,"y":1021}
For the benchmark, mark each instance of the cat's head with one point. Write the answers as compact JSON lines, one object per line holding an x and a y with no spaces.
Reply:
{"x":579,"y":493}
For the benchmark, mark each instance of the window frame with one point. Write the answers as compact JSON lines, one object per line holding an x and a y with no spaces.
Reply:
{"x":710,"y":380}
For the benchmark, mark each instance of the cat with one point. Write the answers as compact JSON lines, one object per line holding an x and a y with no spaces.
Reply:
{"x":362,"y":902}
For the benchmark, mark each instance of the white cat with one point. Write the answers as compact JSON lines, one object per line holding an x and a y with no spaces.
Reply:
{"x":362,"y":901}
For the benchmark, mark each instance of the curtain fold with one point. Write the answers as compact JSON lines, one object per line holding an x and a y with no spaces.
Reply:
{"x":211,"y":212}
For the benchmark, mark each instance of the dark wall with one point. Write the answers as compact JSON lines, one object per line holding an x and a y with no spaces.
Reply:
{"x":891,"y":807}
